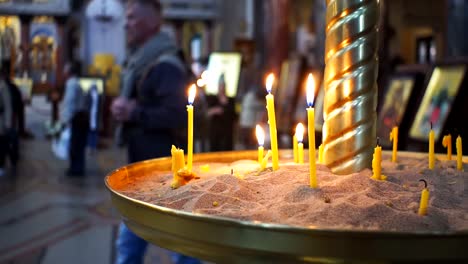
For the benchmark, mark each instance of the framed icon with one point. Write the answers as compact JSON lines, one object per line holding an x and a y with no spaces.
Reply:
{"x":286,"y":91}
{"x":223,"y":66}
{"x":395,"y":104}
{"x":441,"y":91}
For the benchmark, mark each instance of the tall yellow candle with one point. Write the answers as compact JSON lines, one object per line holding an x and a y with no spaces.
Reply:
{"x":272,"y":121}
{"x":459,"y":153}
{"x":191,"y":98}
{"x":447,"y":143}
{"x":424,"y":200}
{"x":321,"y":154}
{"x":394,"y":138}
{"x":431,"y":149}
{"x":377,"y":164}
{"x":310,"y":91}
{"x":300,"y":147}
{"x":295,"y":148}
{"x":261,"y":140}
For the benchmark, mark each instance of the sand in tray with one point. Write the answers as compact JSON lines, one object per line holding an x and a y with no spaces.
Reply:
{"x":352,"y":201}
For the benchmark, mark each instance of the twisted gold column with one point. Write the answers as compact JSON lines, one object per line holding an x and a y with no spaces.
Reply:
{"x":349,"y":132}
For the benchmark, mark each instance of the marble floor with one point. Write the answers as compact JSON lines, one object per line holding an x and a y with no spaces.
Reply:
{"x":48,"y":218}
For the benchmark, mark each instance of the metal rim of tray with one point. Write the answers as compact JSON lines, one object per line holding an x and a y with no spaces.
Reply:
{"x":222,"y":240}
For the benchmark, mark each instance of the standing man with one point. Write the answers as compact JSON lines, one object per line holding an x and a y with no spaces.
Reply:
{"x":76,"y":117}
{"x":17,"y":110}
{"x":5,"y":118}
{"x":151,"y":106}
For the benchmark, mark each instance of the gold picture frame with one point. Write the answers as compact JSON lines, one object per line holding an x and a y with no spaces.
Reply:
{"x":437,"y":102}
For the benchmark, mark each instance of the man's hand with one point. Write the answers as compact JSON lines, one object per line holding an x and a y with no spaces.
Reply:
{"x":122,"y":108}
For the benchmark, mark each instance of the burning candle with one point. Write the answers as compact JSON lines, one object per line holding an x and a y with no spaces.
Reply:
{"x":272,"y":120}
{"x":431,"y":149}
{"x":394,"y":138}
{"x":261,"y":140}
{"x":310,"y":89}
{"x":447,"y":143}
{"x":377,"y":163}
{"x":424,"y":199}
{"x":300,"y":147}
{"x":459,"y":153}
{"x":264,"y":162}
{"x":191,"y":97}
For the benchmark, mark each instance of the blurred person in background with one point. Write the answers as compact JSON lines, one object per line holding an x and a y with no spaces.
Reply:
{"x":221,"y":115}
{"x":17,"y":109}
{"x":151,"y":107}
{"x":75,"y":116}
{"x":5,"y":118}
{"x":200,"y":133}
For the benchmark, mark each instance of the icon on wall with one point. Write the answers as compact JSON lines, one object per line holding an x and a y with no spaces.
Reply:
{"x":394,"y":107}
{"x":227,"y":64}
{"x":437,"y":101}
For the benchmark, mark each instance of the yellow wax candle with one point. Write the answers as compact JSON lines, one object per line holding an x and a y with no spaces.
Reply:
{"x":173,"y":162}
{"x":260,"y":154}
{"x":264,"y":162}
{"x":394,"y":138}
{"x":272,"y":121}
{"x":261,"y":140}
{"x":321,"y":154}
{"x":295,"y":148}
{"x":424,"y":200}
{"x":310,"y":86}
{"x":431,"y":149}
{"x":300,"y":147}
{"x":300,"y":153}
{"x":178,"y":163}
{"x":459,"y":153}
{"x":191,"y":98}
{"x":377,"y":164}
{"x":447,"y":143}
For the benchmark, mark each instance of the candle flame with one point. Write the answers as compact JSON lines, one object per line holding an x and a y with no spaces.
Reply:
{"x":269,"y":82}
{"x":300,"y":132}
{"x":191,"y":93}
{"x":310,"y":89}
{"x":260,"y":135}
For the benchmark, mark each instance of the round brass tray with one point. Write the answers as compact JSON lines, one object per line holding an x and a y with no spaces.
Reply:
{"x":225,"y":240}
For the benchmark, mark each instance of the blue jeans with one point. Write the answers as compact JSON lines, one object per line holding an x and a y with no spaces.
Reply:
{"x":131,"y":249}
{"x":92,"y":139}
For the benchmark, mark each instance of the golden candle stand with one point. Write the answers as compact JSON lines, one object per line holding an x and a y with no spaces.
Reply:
{"x":226,"y":240}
